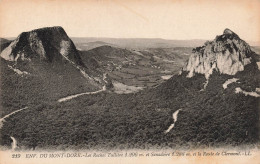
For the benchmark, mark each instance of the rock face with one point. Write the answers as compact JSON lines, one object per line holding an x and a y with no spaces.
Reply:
{"x":227,"y":54}
{"x":48,"y":44}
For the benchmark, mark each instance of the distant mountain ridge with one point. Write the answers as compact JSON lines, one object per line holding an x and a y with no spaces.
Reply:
{"x":144,"y":43}
{"x":92,"y":45}
{"x":87,"y":43}
{"x":140,"y":43}
{"x":3,"y":40}
{"x":4,"y":43}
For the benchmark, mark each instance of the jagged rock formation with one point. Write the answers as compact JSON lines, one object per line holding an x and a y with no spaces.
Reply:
{"x":227,"y":54}
{"x":48,"y":44}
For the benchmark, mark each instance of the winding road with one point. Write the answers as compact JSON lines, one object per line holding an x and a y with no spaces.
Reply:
{"x":14,"y":143}
{"x":80,"y":94}
{"x":2,"y":120}
{"x":85,"y":93}
{"x":174,"y":116}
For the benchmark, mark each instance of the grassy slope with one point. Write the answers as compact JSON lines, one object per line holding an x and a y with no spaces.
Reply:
{"x":121,"y":64}
{"x":138,"y":68}
{"x":46,"y":83}
{"x":213,"y":117}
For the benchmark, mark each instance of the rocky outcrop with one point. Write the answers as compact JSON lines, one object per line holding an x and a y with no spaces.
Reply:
{"x":48,"y":44}
{"x":226,"y":54}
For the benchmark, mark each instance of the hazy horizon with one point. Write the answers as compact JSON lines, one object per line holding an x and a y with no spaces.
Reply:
{"x":250,"y":42}
{"x":169,"y":19}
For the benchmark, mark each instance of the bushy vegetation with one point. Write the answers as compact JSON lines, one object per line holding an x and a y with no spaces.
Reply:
{"x":213,"y":117}
{"x":45,"y":83}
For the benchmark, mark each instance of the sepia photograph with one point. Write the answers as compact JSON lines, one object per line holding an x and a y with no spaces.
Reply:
{"x":110,"y":81}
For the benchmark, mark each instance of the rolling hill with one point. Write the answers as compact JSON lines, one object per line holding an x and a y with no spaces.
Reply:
{"x":136,"y":68}
{"x":205,"y":106}
{"x":137,"y":43}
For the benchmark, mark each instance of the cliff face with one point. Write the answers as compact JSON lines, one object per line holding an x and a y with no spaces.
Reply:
{"x":227,"y":54}
{"x":49,"y":44}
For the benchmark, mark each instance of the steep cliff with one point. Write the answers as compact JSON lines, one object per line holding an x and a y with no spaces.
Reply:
{"x":227,"y":54}
{"x":48,"y":44}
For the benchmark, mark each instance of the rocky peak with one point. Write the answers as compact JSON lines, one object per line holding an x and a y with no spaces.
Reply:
{"x":48,"y":44}
{"x":228,"y":31}
{"x":227,"y":54}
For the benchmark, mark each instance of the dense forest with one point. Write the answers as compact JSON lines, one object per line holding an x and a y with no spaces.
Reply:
{"x":44,"y":83}
{"x":184,"y":111}
{"x":212,"y":117}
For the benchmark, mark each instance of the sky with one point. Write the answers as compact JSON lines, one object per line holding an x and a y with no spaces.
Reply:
{"x":167,"y":19}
